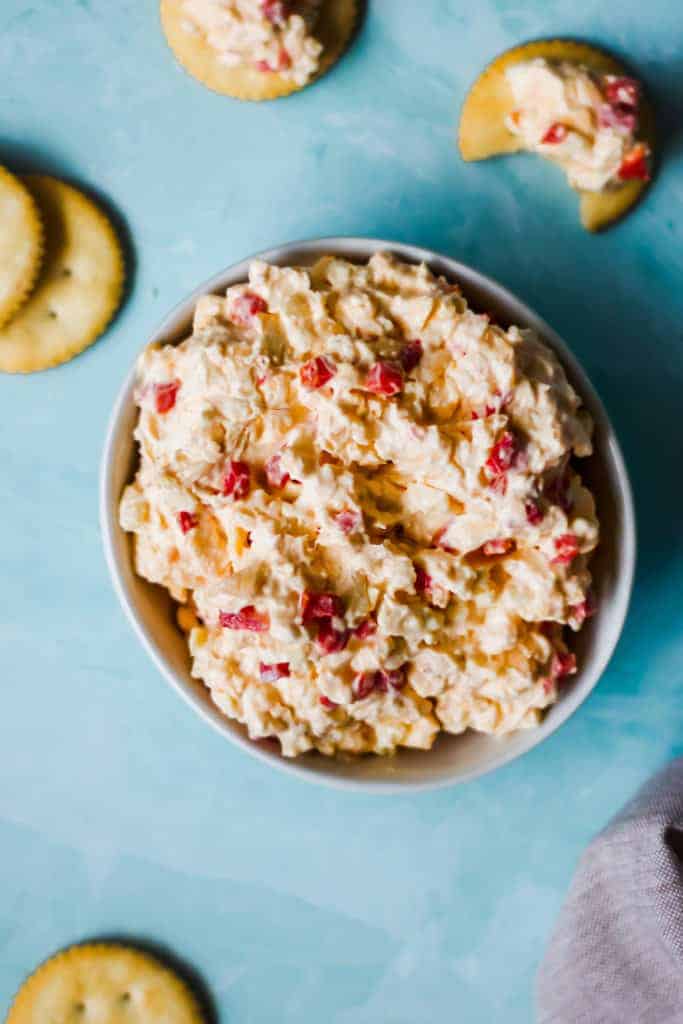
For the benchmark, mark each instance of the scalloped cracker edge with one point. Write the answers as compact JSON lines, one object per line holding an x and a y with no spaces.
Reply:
{"x":123,"y":984}
{"x":482,"y":132}
{"x":79,"y":288}
{"x":334,"y":28}
{"x":21,"y":244}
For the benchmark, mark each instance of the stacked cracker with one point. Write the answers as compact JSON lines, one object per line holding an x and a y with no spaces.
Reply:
{"x":61,"y":272}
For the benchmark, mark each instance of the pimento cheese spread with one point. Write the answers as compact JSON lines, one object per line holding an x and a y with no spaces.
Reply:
{"x":363,"y":496}
{"x":269,"y":35}
{"x":585,"y":123}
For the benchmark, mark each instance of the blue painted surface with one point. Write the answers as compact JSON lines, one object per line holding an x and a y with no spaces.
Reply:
{"x":121,"y":812}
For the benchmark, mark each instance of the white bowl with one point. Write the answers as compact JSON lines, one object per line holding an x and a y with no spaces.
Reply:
{"x":452,"y":758}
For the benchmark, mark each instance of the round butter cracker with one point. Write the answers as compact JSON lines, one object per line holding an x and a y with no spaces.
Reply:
{"x":21,"y":244}
{"x":482,"y":132}
{"x":104,"y":984}
{"x":79,"y":287}
{"x":333,"y":28}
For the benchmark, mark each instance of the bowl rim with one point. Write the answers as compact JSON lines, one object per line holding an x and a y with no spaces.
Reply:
{"x":471,"y":277}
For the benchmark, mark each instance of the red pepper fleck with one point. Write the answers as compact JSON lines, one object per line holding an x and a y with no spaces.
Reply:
{"x":247,"y":618}
{"x":187,"y":521}
{"x":423,"y":581}
{"x":622,"y":91}
{"x":634,"y":165}
{"x":411,"y":354}
{"x":329,"y":638}
{"x":276,"y":476}
{"x":394,"y":678}
{"x":363,"y":685}
{"x":320,"y":606}
{"x":567,"y":547}
{"x":246,"y":306}
{"x":284,"y":61}
{"x":327,"y":703}
{"x":563,"y":664}
{"x":237,"y":481}
{"x":165,"y":395}
{"x":317,"y":372}
{"x":385,"y":379}
{"x":271,"y":673}
{"x":276,"y":11}
{"x":533,"y":512}
{"x":348,"y":520}
{"x":556,"y":133}
{"x":366,"y":628}
{"x":499,"y":546}
{"x":618,"y":116}
{"x":583,"y":610}
{"x":381,"y":680}
{"x":499,"y":461}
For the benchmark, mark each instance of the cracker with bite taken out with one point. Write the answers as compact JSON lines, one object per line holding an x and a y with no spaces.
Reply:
{"x":483,"y":131}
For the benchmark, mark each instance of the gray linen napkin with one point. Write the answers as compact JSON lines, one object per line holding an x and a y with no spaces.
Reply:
{"x":616,"y":956}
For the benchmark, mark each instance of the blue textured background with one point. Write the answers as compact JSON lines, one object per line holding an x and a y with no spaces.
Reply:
{"x":120,"y":812}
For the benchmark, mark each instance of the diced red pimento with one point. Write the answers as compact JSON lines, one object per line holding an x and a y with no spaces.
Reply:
{"x":533,"y":512}
{"x":634,"y":166}
{"x":187,"y":521}
{"x":247,"y":618}
{"x":366,"y":628}
{"x":237,"y":480}
{"x":276,"y":476}
{"x":246,"y":306}
{"x":165,"y":395}
{"x":320,"y":606}
{"x":556,"y":133}
{"x":423,"y":581}
{"x":276,"y":11}
{"x":583,"y":610}
{"x":567,"y":548}
{"x":317,"y":372}
{"x":330,"y":640}
{"x":327,"y":703}
{"x":348,"y":520}
{"x":363,"y":685}
{"x":622,"y":91}
{"x":411,"y":354}
{"x":391,"y":678}
{"x":499,"y":461}
{"x":381,"y":680}
{"x":271,"y":673}
{"x":624,"y":119}
{"x":263,"y":65}
{"x":563,"y":664}
{"x":385,"y":379}
{"x":284,"y":61}
{"x":499,"y":546}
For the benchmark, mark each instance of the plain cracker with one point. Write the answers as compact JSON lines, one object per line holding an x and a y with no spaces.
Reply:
{"x":79,"y":288}
{"x":482,"y":132}
{"x":334,"y":28}
{"x":21,"y":244}
{"x":104,"y":984}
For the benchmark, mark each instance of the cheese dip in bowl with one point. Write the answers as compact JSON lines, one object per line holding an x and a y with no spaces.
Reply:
{"x":370,"y":484}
